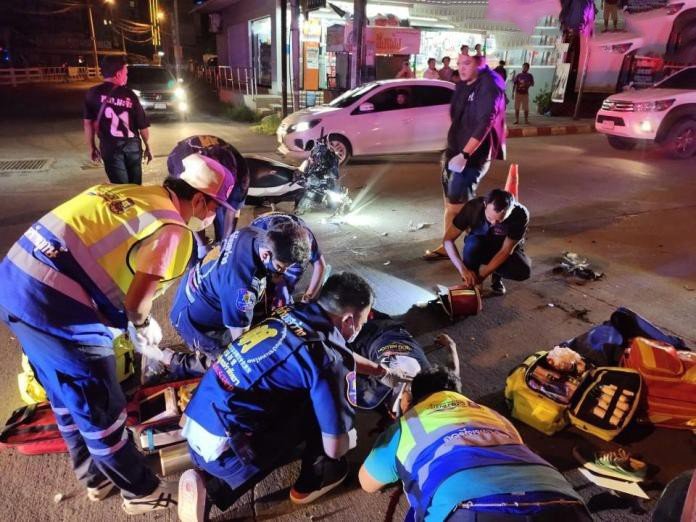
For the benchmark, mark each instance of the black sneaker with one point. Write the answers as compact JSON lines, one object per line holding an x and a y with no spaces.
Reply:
{"x":497,"y":286}
{"x":318,"y":478}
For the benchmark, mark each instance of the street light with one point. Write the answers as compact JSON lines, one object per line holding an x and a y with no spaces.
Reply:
{"x":160,"y":15}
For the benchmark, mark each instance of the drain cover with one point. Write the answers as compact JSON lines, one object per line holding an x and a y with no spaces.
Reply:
{"x":23,"y":165}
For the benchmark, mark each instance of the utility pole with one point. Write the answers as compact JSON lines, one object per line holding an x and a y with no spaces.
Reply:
{"x":295,"y":46}
{"x":177,"y":41}
{"x":94,"y":39}
{"x":284,"y":56}
{"x":584,"y":44}
{"x":359,"y":20}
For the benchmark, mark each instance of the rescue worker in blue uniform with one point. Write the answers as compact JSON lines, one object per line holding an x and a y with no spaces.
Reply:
{"x":215,"y":301}
{"x":94,"y":262}
{"x":280,"y":288}
{"x":286,"y":381}
{"x":460,"y":461}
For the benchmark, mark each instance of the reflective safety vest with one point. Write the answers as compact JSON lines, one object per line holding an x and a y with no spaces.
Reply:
{"x":447,"y":433}
{"x":85,"y":248}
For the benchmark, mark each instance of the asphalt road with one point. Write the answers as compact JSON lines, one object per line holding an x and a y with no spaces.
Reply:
{"x":630,"y":213}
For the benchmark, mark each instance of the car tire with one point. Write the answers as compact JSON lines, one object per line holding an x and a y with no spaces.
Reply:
{"x":680,"y":141}
{"x":620,"y":143}
{"x":341,"y":146}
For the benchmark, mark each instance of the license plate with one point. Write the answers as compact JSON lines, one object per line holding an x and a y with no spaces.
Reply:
{"x":161,"y":106}
{"x":608,"y":124}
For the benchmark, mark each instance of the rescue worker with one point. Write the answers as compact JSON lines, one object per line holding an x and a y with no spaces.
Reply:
{"x":495,"y":227}
{"x":225,"y":217}
{"x":286,"y":381}
{"x":94,"y":262}
{"x":215,"y":301}
{"x":282,"y":286}
{"x":460,"y":461}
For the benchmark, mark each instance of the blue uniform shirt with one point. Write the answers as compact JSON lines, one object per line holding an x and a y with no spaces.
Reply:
{"x":222,"y":293}
{"x":265,"y":377}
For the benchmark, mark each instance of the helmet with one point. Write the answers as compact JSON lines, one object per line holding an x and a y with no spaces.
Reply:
{"x":221,"y":153}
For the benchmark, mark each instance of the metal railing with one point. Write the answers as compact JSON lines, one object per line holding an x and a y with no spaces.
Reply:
{"x":16,"y":76}
{"x":238,"y":78}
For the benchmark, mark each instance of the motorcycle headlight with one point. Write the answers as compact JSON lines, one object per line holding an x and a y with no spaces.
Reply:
{"x":653,"y":106}
{"x":303,"y":126}
{"x":136,"y":92}
{"x":180,"y":93}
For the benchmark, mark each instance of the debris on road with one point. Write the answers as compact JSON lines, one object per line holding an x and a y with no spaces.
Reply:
{"x":412,"y":227}
{"x":572,"y":264}
{"x":386,"y":263}
{"x":57,"y":498}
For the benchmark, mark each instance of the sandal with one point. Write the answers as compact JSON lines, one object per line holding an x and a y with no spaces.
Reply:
{"x":434,"y":255}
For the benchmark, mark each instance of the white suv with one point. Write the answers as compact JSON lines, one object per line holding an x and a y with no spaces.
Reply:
{"x":664,"y":114}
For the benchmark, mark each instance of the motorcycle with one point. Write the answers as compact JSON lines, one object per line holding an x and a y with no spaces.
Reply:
{"x":314,"y":184}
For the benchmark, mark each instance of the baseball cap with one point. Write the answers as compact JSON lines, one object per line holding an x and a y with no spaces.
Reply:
{"x":209,"y":164}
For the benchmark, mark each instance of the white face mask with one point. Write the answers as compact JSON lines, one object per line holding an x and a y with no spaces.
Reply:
{"x":197,"y":224}
{"x":354,"y":336}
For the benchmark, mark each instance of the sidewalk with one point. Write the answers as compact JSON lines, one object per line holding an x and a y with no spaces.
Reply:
{"x":548,"y":126}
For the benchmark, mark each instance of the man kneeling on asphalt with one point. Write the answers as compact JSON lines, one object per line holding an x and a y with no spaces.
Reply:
{"x":284,"y":382}
{"x":495,"y":226}
{"x":460,"y":461}
{"x":215,"y":302}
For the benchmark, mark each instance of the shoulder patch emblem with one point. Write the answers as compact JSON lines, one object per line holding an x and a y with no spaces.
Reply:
{"x":246,"y":300}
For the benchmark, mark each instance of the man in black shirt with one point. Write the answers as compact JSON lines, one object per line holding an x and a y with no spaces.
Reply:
{"x":495,"y":228}
{"x":113,"y":113}
{"x":476,"y":136}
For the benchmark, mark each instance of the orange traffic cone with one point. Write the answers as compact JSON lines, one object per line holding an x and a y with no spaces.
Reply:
{"x":512,"y":183}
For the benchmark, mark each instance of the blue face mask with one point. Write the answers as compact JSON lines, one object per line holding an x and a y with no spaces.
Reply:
{"x":270,"y":267}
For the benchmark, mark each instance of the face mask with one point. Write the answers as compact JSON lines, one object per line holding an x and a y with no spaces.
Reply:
{"x":197,"y":224}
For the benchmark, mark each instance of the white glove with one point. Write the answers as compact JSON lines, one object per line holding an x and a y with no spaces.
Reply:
{"x":393,"y":377}
{"x":148,"y":335}
{"x":457,"y":163}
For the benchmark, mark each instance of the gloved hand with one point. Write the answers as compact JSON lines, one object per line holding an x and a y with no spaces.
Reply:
{"x":457,"y":163}
{"x":393,"y":377}
{"x":147,"y":335}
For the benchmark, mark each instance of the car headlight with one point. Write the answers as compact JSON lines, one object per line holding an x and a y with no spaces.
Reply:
{"x":653,"y":106}
{"x":303,"y":126}
{"x":180,"y":93}
{"x":136,"y":92}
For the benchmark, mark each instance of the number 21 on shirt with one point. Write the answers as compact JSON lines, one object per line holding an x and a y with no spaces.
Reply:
{"x":115,"y":119}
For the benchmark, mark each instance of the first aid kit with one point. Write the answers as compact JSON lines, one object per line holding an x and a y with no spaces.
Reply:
{"x":600,"y":401}
{"x":460,"y":300}
{"x":670,"y":382}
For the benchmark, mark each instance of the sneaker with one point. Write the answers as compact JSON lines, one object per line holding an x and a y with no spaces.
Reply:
{"x":192,"y":496}
{"x":164,"y":497}
{"x":497,"y":286}
{"x":617,"y":464}
{"x":318,"y":478}
{"x":101,"y":491}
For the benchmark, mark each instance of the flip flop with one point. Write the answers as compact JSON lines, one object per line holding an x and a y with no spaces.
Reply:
{"x":434,"y":255}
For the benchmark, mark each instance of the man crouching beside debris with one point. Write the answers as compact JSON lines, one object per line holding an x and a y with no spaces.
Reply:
{"x":495,"y":227}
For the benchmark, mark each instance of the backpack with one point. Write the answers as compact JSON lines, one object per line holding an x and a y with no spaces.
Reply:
{"x":32,"y":430}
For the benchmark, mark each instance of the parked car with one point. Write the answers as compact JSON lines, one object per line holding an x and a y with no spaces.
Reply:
{"x":158,"y":90}
{"x":664,"y":114}
{"x":382,"y":117}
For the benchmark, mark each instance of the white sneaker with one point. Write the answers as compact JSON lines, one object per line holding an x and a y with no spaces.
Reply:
{"x":191,"y":506}
{"x":164,"y":497}
{"x":101,"y":491}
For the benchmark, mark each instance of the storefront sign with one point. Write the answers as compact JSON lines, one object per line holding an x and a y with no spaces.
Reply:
{"x":311,"y":30}
{"x":311,"y":66}
{"x":335,"y":37}
{"x":387,"y":40}
{"x":560,"y":81}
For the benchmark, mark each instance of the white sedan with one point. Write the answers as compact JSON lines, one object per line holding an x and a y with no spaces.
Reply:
{"x":382,"y":117}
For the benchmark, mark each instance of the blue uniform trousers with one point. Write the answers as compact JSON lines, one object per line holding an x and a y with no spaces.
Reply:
{"x":90,"y":408}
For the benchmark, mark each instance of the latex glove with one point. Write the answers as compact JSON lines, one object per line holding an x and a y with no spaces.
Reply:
{"x":393,"y":377}
{"x":457,"y":163}
{"x":148,"y":335}
{"x":152,"y":353}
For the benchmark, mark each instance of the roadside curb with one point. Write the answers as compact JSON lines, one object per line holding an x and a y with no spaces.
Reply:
{"x":556,"y":130}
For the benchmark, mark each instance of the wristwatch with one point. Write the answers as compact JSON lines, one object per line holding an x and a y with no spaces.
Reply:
{"x":145,"y":323}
